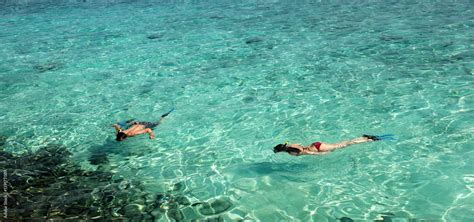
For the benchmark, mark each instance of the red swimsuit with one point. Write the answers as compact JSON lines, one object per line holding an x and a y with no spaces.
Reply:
{"x":317,"y":145}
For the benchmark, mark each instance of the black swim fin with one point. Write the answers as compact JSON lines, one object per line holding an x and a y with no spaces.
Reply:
{"x":372,"y":137}
{"x":381,"y":137}
{"x":164,"y":115}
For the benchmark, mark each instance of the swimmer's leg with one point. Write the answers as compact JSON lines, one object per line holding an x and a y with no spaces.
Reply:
{"x":325,"y":147}
{"x":166,"y":114}
{"x":152,"y":125}
{"x":129,"y":121}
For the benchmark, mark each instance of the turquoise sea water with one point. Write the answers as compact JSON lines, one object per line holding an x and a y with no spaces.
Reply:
{"x":247,"y":75}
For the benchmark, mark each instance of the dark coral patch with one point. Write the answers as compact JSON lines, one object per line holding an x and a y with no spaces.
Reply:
{"x":49,"y":66}
{"x":48,"y":184}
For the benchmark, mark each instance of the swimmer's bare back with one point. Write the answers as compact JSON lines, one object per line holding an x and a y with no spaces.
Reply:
{"x":138,"y":129}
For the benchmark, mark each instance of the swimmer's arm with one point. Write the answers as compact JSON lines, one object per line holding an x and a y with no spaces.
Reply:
{"x":161,"y":120}
{"x":316,"y":153}
{"x":295,"y":154}
{"x":117,"y":127}
{"x":299,"y":147}
{"x":150,"y":133}
{"x":147,"y":130}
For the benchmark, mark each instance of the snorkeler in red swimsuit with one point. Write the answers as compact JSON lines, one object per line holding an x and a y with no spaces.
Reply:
{"x":317,"y":148}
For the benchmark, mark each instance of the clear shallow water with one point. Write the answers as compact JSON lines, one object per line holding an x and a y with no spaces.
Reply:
{"x":244,"y":77}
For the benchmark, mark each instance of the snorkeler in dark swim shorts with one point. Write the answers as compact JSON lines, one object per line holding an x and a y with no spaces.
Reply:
{"x":317,"y":148}
{"x":132,"y":128}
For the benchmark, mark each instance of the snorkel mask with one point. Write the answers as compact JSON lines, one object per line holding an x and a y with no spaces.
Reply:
{"x":121,"y":136}
{"x":281,"y":147}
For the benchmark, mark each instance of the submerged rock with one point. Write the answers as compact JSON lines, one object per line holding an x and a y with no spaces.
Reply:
{"x":156,"y":213}
{"x":175,"y":214}
{"x":50,"y":66}
{"x":214,"y":207}
{"x":248,"y":99}
{"x":346,"y":219}
{"x":155,"y":36}
{"x":390,"y":38}
{"x":5,"y":155}
{"x":215,"y":219}
{"x":387,"y":219}
{"x":182,"y":200}
{"x":253,"y":40}
{"x":3,"y":140}
{"x":216,"y":17}
{"x":179,"y":186}
{"x":132,"y":210}
{"x":98,"y":158}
